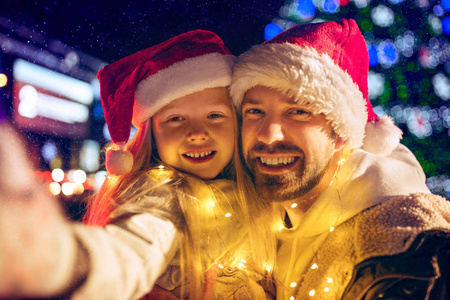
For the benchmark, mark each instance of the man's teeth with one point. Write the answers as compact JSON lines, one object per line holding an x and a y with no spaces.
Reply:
{"x":198,"y":154}
{"x":274,"y":161}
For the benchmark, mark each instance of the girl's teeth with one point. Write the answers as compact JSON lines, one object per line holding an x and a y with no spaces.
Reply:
{"x":198,"y":154}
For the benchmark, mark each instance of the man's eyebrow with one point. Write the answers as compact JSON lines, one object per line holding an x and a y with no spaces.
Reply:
{"x":249,"y":101}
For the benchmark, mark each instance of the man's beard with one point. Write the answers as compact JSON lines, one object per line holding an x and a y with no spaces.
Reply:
{"x":286,"y":186}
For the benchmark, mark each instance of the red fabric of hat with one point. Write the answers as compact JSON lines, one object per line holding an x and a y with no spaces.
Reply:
{"x":324,"y":66}
{"x":342,"y":42}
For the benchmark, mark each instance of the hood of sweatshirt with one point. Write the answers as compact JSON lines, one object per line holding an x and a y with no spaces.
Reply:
{"x":362,"y":181}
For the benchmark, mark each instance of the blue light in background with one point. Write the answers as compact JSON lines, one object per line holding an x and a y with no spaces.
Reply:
{"x":390,"y":52}
{"x":387,"y":54}
{"x":446,"y":25}
{"x":49,"y":151}
{"x":330,"y":6}
{"x":446,"y":4}
{"x":373,"y":56}
{"x":396,"y":1}
{"x":272,"y":30}
{"x":306,"y":9}
{"x":438,"y":11}
{"x":97,"y":111}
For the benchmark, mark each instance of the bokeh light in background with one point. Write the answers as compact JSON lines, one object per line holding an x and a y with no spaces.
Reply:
{"x":409,"y":56}
{"x":3,"y":80}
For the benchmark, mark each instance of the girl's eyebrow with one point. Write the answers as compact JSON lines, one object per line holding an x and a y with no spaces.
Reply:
{"x":173,"y":108}
{"x":222,"y":106}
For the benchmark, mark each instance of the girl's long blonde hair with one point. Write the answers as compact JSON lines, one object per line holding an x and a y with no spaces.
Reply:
{"x":259,"y":214}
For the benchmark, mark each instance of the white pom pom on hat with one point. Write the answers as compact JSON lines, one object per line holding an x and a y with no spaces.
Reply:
{"x":325,"y":66}
{"x":134,"y":88}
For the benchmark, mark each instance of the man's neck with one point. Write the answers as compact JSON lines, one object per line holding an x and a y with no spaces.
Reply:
{"x":295,"y":209}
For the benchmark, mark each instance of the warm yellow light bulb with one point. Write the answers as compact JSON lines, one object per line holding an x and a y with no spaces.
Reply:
{"x":293,"y":284}
{"x":3,"y":80}
{"x":314,"y":266}
{"x":331,"y":229}
{"x":55,"y":188}
{"x":294,"y":205}
{"x":341,"y":161}
{"x":326,"y":289}
{"x":312,"y":292}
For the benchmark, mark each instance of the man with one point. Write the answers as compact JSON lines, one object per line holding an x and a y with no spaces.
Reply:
{"x":358,"y":220}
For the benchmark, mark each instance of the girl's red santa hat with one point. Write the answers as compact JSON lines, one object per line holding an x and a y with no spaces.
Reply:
{"x":134,"y":88}
{"x":324,"y":66}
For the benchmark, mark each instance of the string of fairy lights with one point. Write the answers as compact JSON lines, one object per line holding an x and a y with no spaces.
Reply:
{"x":409,"y":50}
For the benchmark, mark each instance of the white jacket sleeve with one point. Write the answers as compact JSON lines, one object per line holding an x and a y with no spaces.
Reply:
{"x":125,"y":258}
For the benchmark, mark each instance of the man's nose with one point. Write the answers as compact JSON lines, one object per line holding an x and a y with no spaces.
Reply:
{"x":197,"y":133}
{"x":270,"y":133}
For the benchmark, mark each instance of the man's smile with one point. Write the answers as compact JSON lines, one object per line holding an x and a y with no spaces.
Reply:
{"x":276,"y":161}
{"x":277,"y":164}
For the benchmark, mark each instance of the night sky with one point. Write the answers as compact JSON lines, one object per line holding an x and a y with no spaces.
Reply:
{"x":119,"y":28}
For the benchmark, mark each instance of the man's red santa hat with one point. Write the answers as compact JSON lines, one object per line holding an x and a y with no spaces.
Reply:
{"x":324,"y":66}
{"x":134,"y":88}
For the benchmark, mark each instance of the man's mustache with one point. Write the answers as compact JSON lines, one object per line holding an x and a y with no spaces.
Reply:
{"x":275,"y":148}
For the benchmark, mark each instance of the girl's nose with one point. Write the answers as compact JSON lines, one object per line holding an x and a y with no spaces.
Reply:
{"x":197,"y":134}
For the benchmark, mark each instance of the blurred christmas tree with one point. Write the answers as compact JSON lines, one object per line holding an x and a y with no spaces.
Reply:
{"x":409,"y":49}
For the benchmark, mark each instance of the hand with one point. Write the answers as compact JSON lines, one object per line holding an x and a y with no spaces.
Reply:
{"x":210,"y":280}
{"x":33,"y":230}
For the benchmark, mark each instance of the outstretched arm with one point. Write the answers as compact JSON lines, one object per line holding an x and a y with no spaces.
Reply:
{"x":43,"y":255}
{"x":37,"y":249}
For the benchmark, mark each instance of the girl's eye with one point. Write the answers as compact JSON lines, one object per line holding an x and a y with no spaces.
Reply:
{"x":175,"y":119}
{"x":215,"y":116}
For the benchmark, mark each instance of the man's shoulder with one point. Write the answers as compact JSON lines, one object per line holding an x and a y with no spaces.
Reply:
{"x":420,"y":272}
{"x":391,"y":227}
{"x":418,"y":210}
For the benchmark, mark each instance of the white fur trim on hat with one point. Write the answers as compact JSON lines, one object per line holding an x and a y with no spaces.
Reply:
{"x":178,"y":80}
{"x":382,"y":137}
{"x":311,"y":79}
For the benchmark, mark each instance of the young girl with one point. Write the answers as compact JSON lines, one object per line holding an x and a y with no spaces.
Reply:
{"x":161,"y":222}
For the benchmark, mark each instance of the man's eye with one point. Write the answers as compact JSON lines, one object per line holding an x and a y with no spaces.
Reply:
{"x":299,"y":113}
{"x":253,"y":111}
